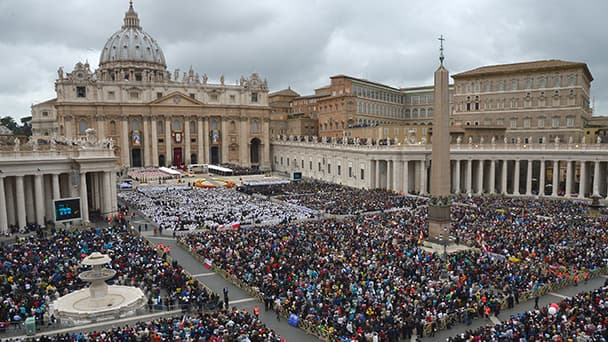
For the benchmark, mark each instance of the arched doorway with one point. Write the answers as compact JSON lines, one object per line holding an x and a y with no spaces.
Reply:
{"x":136,"y":157}
{"x":215,"y":155}
{"x":193,"y":159}
{"x":161,"y":160}
{"x":254,"y":151}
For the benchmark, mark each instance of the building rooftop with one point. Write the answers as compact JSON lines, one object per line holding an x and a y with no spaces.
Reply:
{"x":524,"y":67}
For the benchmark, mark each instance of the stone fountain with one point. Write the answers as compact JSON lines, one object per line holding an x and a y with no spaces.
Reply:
{"x":99,"y":301}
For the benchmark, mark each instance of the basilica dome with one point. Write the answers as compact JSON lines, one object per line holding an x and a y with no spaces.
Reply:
{"x":132,"y":45}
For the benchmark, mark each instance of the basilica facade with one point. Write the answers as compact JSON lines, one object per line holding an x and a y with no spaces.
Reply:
{"x":156,"y":117}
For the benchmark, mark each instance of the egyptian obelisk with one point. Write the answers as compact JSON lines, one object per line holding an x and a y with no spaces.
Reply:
{"x":439,"y":204}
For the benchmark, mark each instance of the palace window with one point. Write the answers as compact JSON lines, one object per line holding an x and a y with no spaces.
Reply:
{"x":541,"y":123}
{"x":111,"y":95}
{"x":514,"y":85}
{"x":159,"y":95}
{"x":570,"y":121}
{"x":255,"y":126}
{"x":193,"y":96}
{"x":81,"y":91}
{"x":134,"y":95}
{"x":513,"y":123}
{"x":526,"y":123}
{"x":213,"y":97}
{"x":254,"y":97}
{"x":177,"y":125}
{"x":192,"y":127}
{"x":555,"y":122}
{"x":232,"y":99}
{"x":82,"y":126}
{"x":135,"y":125}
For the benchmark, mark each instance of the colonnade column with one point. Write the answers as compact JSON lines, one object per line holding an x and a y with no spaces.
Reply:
{"x":377,"y":182}
{"x":20,"y":192}
{"x":200,"y":156}
{"x":9,"y":190}
{"x":516,"y":179}
{"x":541,"y":179}
{"x":389,"y":175}
{"x":568,"y":179}
{"x":406,"y":177}
{"x":168,"y":155}
{"x":582,"y":188}
{"x":154,"y":142}
{"x":39,"y":199}
{"x":596,"y":179}
{"x":107,"y":193}
{"x":555,"y":177}
{"x":187,"y":139}
{"x":480,"y":177}
{"x":3,"y":217}
{"x":124,"y":145}
{"x":492,"y":188}
{"x":457,"y":177}
{"x":529,"y":178}
{"x":244,"y":144}
{"x":113,"y":200}
{"x":423,"y":177}
{"x":503,"y":177}
{"x":56,"y":189}
{"x":469,"y":177}
{"x":84,"y":204}
{"x":398,"y":176}
{"x":147,"y":142}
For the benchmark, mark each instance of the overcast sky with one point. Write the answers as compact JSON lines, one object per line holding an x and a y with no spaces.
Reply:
{"x":301,"y":43}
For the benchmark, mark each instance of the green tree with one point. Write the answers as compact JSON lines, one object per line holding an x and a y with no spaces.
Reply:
{"x":9,"y":122}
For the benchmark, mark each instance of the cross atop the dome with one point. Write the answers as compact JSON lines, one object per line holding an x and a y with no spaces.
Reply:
{"x":441,"y":57}
{"x":131,"y":19}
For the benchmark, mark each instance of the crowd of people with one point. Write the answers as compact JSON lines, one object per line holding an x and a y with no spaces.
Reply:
{"x":229,"y":325}
{"x":368,"y":274}
{"x":35,"y":271}
{"x":238,"y":170}
{"x":148,"y":174}
{"x":335,"y":198}
{"x":583,"y":317}
{"x":187,"y":208}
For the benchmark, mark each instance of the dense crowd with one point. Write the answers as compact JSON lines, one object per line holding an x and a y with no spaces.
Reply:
{"x":238,"y":170}
{"x":581,"y":318}
{"x":368,"y":274}
{"x":36,"y":271}
{"x":148,"y":174}
{"x":187,"y":208}
{"x":229,"y":325}
{"x":334,"y":198}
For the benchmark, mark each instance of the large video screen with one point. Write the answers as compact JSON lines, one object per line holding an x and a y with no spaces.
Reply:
{"x":67,"y":209}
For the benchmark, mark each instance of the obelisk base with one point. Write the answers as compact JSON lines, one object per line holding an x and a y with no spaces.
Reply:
{"x":439,"y":223}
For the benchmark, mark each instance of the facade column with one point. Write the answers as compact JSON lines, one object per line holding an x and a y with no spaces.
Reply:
{"x":265,"y":162}
{"x":107,"y":194}
{"x":56,"y":188}
{"x":124,"y":145}
{"x":200,"y":156}
{"x":154,"y":142}
{"x":406,"y":177}
{"x":206,"y":147}
{"x":492,"y":176}
{"x":541,"y":179}
{"x":582,"y":188}
{"x":224,"y":141}
{"x":377,"y":182}
{"x":480,"y":177}
{"x":569,"y":177}
{"x":3,"y":217}
{"x":457,"y":177}
{"x":187,"y":142}
{"x":168,"y":155}
{"x":423,"y":177}
{"x":469,"y":177}
{"x":39,"y":199}
{"x":516,"y":179}
{"x":20,"y":194}
{"x":244,"y":159}
{"x":30,"y":208}
{"x":529,"y":178}
{"x":503,"y":177}
{"x":146,"y":142}
{"x":596,"y":179}
{"x":555,"y":177}
{"x":84,"y":204}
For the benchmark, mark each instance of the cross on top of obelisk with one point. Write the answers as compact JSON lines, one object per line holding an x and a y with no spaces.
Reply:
{"x":441,"y":57}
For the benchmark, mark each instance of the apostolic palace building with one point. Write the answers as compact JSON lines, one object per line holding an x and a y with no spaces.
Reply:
{"x":515,"y":129}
